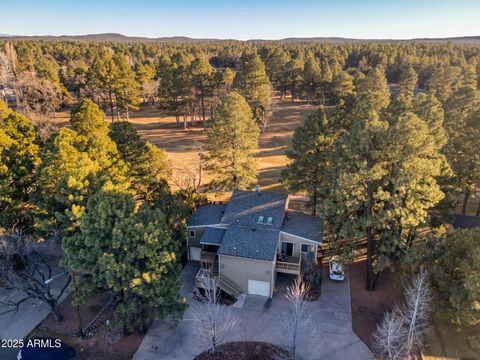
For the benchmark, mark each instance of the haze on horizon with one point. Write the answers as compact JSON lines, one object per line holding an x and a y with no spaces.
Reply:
{"x":268,"y":19}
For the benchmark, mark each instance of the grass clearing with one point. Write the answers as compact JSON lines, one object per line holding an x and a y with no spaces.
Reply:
{"x":184,"y":145}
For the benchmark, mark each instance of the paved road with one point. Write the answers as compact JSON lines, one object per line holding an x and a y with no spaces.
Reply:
{"x":30,"y":313}
{"x":329,"y":338}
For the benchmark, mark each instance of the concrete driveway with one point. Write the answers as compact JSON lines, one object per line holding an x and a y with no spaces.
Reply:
{"x":330,"y":336}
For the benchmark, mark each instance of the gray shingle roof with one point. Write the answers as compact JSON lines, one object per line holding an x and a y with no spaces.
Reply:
{"x":207,"y":215}
{"x":245,"y":207}
{"x":466,"y":222}
{"x":306,"y":226}
{"x":212,"y":236}
{"x":242,"y":241}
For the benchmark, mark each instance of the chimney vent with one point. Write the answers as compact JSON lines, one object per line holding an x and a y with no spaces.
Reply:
{"x":257,"y":189}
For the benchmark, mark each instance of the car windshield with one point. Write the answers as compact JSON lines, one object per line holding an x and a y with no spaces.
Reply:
{"x":336,"y":268}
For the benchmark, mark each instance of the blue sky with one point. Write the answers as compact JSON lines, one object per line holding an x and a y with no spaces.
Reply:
{"x":244,"y":19}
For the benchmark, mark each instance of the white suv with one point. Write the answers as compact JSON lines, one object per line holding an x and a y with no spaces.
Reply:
{"x":336,"y":270}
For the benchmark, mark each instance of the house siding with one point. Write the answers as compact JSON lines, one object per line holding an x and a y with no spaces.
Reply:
{"x":297,"y":241}
{"x":240,"y":270}
{"x":195,"y":241}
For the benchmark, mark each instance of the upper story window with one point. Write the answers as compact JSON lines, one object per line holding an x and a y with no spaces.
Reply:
{"x":260,"y":219}
{"x":192,"y":233}
{"x":269,"y":220}
{"x":306,"y":248}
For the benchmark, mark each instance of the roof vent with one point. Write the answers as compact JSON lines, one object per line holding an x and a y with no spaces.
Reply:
{"x":260,"y":219}
{"x":269,"y":220}
{"x":254,"y":228}
{"x":257,"y":189}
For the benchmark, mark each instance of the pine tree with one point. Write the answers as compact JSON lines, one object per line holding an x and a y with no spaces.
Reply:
{"x":233,"y":142}
{"x":127,"y":89}
{"x":20,"y":149}
{"x":202,"y":77}
{"x":311,"y":156}
{"x":311,"y":77}
{"x":148,"y":166}
{"x":74,"y":166}
{"x":103,"y":78}
{"x":295,"y":72}
{"x":407,"y":83}
{"x":251,"y":81}
{"x":384,"y":180}
{"x":342,"y":86}
{"x":147,"y":275}
{"x":463,"y":128}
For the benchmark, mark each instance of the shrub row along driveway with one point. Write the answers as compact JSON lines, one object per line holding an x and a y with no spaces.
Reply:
{"x":330,"y":338}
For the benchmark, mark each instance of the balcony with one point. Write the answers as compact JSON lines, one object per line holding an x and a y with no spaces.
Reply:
{"x":288,"y":264}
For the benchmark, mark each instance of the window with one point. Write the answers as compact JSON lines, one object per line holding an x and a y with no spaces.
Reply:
{"x":287,"y":248}
{"x":306,"y":248}
{"x":260,"y":219}
{"x":192,"y":233}
{"x":269,"y":220}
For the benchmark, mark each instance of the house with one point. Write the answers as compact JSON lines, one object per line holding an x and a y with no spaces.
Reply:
{"x":244,"y":244}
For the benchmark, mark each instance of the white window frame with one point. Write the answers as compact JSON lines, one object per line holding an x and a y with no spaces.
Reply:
{"x":190,"y":232}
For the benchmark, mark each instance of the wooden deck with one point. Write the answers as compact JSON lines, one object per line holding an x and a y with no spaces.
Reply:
{"x":291,"y":265}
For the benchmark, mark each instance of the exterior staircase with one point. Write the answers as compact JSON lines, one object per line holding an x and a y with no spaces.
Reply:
{"x":229,"y":286}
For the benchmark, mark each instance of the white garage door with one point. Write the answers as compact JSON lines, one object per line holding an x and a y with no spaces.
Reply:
{"x":258,"y":288}
{"x":195,"y":253}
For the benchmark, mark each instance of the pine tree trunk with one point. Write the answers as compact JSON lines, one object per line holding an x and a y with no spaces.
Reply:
{"x":111,"y":105}
{"x":466,"y":197}
{"x":370,"y":281}
{"x":314,"y":210}
{"x":203,"y":107}
{"x":477,"y":213}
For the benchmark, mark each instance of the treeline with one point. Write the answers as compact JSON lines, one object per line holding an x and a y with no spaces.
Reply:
{"x":186,"y":79}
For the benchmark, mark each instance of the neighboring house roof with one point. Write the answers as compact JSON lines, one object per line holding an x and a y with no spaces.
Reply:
{"x":250,"y":242}
{"x":302,"y":225}
{"x":212,"y":236}
{"x":466,"y":222}
{"x":207,"y":215}
{"x":245,"y":208}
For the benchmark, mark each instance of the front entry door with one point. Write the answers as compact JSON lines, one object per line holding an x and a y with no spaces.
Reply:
{"x":287,"y":248}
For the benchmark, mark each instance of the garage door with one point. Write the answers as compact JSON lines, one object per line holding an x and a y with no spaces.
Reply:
{"x":259,"y":288}
{"x":195,"y":253}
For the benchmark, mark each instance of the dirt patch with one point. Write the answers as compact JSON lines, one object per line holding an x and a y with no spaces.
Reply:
{"x":368,"y":307}
{"x":107,"y":343}
{"x":247,"y":351}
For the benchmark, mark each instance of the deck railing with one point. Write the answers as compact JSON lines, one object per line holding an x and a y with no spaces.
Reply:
{"x":290,"y":265}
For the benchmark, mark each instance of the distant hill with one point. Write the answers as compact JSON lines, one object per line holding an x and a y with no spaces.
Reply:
{"x":108,"y":37}
{"x":114,"y":37}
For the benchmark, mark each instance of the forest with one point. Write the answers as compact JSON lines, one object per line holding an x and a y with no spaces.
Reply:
{"x":389,"y":155}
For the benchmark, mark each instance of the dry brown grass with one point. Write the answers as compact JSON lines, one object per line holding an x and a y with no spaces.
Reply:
{"x":445,"y":343}
{"x":184,"y":145}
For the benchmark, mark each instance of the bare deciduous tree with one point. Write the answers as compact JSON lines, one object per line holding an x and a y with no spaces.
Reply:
{"x":149,"y":91}
{"x":299,"y":317}
{"x":417,"y":310}
{"x":401,"y":332}
{"x":211,"y":319}
{"x":26,"y":274}
{"x":390,"y":337}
